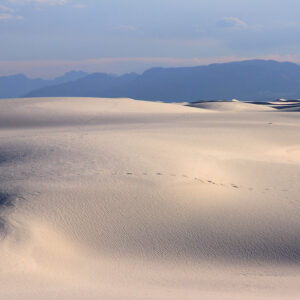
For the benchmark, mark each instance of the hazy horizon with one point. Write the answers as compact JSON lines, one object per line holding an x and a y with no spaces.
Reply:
{"x":118,"y":37}
{"x":62,"y":73}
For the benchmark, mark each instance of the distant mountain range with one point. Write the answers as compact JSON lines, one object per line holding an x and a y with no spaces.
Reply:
{"x":19,"y":85}
{"x":257,"y":80}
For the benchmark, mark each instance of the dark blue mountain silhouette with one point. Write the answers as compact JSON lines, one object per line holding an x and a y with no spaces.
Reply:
{"x":257,"y":80}
{"x":18,"y":85}
{"x":93,"y":85}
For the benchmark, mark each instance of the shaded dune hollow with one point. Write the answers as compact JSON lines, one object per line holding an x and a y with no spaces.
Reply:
{"x":126,"y":199}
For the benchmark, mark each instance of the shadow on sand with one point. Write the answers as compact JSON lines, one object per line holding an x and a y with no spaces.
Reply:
{"x":6,"y":201}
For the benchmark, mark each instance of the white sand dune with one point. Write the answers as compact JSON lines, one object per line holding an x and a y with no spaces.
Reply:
{"x":231,"y":106}
{"x":286,"y":105}
{"x":123,"y":199}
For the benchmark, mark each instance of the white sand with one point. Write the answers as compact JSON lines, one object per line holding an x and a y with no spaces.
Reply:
{"x":118,"y":199}
{"x":231,"y":106}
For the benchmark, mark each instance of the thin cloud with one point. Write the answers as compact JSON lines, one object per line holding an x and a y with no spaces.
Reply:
{"x":229,"y":22}
{"x":43,"y":2}
{"x":7,"y":13}
{"x":6,"y":9}
{"x":6,"y":17}
{"x":52,"y":2}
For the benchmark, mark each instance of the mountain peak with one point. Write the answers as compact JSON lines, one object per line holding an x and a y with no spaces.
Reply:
{"x":257,"y":80}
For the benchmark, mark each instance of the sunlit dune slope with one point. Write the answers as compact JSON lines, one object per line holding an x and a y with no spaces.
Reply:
{"x":123,"y":199}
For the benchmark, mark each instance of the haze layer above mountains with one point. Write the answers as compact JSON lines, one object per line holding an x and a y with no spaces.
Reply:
{"x":257,"y":80}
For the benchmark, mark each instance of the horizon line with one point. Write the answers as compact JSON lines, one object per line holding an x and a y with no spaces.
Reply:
{"x":51,"y":69}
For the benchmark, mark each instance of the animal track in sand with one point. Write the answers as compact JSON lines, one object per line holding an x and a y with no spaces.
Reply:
{"x":200,"y":180}
{"x":232,"y":186}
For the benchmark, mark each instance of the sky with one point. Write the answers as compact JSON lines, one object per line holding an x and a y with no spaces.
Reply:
{"x":45,"y":38}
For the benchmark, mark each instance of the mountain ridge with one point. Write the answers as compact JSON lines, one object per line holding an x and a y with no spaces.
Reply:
{"x":250,"y":80}
{"x":17,"y":85}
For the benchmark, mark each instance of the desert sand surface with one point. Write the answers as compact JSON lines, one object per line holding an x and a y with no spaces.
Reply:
{"x":117,"y":199}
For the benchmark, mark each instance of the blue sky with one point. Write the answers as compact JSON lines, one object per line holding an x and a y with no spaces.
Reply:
{"x":48,"y":37}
